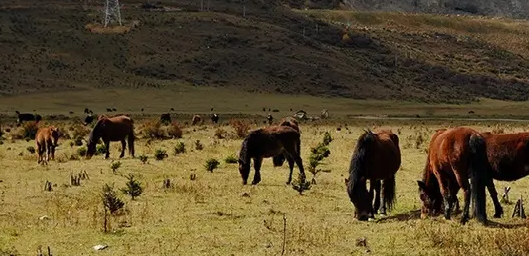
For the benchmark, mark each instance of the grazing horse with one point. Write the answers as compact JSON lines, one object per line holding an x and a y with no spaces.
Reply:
{"x":508,"y":156}
{"x":27,"y":117}
{"x":112,"y":129}
{"x":269,"y":142}
{"x":46,"y":139}
{"x":165,"y":118}
{"x":214,"y":118}
{"x":376,"y":157}
{"x":287,"y":121}
{"x":454,"y":156}
{"x":196,"y":120}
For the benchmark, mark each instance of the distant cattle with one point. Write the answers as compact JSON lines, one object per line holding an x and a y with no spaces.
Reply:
{"x":109,"y":110}
{"x":165,"y":118}
{"x":270,"y":119}
{"x":214,"y":118}
{"x":172,"y":109}
{"x":22,"y":117}
{"x":196,"y":120}
{"x":89,"y":118}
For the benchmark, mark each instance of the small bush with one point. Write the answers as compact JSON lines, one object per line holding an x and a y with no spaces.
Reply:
{"x":327,"y":139}
{"x":160,"y":154}
{"x":31,"y":149}
{"x":29,"y":130}
{"x":221,"y":133}
{"x":100,"y":149}
{"x":143,"y":158}
{"x":211,"y":164}
{"x":152,"y":129}
{"x":115,"y":166}
{"x":231,"y":159}
{"x":180,"y":148}
{"x":198,"y":145}
{"x":111,"y":202}
{"x":133,"y":187}
{"x":174,"y":131}
{"x":241,"y":128}
{"x":78,"y":141}
{"x":81,"y":151}
{"x":78,"y":131}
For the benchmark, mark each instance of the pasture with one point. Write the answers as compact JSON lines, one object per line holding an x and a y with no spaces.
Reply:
{"x":212,"y":213}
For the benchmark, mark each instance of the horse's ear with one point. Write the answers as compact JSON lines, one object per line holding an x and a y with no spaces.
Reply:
{"x":421,"y":184}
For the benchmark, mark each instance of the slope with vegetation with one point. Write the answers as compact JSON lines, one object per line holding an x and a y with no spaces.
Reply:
{"x":262,"y":46}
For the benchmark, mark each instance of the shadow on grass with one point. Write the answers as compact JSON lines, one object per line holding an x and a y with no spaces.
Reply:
{"x":411,"y":215}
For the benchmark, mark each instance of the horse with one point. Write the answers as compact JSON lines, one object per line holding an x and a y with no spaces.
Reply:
{"x":46,"y":139}
{"x":508,"y":158}
{"x":287,"y":121}
{"x":454,"y":156}
{"x":214,"y":118}
{"x":27,"y":117}
{"x":165,"y":118}
{"x":111,"y":129}
{"x":269,"y":142}
{"x":376,"y":157}
{"x":196,"y":120}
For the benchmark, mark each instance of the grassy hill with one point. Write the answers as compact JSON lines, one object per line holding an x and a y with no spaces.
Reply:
{"x":270,"y":49}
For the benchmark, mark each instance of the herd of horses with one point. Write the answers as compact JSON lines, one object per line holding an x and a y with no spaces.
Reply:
{"x":458,"y":158}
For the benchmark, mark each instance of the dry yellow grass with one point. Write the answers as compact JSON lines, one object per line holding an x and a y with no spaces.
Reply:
{"x":216,"y":215}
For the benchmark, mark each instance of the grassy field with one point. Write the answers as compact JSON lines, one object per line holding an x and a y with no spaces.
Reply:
{"x":214,"y":214}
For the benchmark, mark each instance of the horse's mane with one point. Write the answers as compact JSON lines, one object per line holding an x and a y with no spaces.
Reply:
{"x":94,"y":135}
{"x":357,"y":166}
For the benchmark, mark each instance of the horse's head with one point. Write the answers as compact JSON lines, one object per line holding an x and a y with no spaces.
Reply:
{"x":431,"y":201}
{"x":54,"y":135}
{"x":244,"y":170}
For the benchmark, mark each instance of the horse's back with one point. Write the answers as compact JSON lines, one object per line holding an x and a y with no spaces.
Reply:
{"x":508,"y":154}
{"x":450,"y":147}
{"x":389,"y":150}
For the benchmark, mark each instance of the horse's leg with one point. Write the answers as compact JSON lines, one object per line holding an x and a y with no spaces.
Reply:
{"x":123,"y":145}
{"x":445,"y":192}
{"x":377,"y":185}
{"x":465,"y":186}
{"x":498,"y":210}
{"x":257,"y":167}
{"x":454,"y":189}
{"x":107,"y":148}
{"x":291,"y":162}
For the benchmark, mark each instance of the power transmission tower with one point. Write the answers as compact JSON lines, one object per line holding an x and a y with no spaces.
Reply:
{"x":112,"y":12}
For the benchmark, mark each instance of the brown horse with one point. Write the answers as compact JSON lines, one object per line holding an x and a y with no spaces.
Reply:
{"x":287,"y":121}
{"x":46,"y":139}
{"x":269,"y":142}
{"x":454,"y":156}
{"x":111,"y":129}
{"x":376,"y":157}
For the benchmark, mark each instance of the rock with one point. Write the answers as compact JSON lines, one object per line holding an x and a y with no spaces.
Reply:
{"x":100,"y":247}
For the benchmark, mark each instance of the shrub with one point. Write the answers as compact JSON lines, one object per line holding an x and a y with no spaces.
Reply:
{"x":174,"y":131}
{"x":152,"y":129}
{"x":160,"y":154}
{"x":115,"y":166}
{"x":78,"y":130}
{"x":180,"y":148}
{"x":198,"y":145}
{"x":29,"y":130}
{"x":100,"y":149}
{"x":327,"y":139}
{"x":31,"y":149}
{"x":78,"y":141}
{"x":231,"y":159}
{"x":111,"y":202}
{"x":143,"y":158}
{"x":211,"y":164}
{"x":221,"y":133}
{"x":81,"y":151}
{"x":133,"y":187}
{"x":241,"y":128}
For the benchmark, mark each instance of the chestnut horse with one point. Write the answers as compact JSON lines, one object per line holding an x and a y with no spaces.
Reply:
{"x":46,"y":139}
{"x":269,"y":142}
{"x":111,"y":129}
{"x":287,"y":121}
{"x":376,"y":157}
{"x":454,"y":156}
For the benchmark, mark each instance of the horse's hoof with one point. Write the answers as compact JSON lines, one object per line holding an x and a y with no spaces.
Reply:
{"x":370,"y":219}
{"x":497,"y":215}
{"x":464,"y":220}
{"x":383,"y":214}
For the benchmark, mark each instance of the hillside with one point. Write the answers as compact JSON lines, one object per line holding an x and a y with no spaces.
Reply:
{"x":271,"y":48}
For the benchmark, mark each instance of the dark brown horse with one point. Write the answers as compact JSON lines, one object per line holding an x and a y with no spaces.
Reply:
{"x":508,"y":156}
{"x":269,"y":142}
{"x":454,"y":156}
{"x":287,"y":121}
{"x":46,"y":139}
{"x":197,"y":119}
{"x":112,"y":129}
{"x":376,"y":157}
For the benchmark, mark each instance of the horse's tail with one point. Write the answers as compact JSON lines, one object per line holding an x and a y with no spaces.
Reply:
{"x":388,"y":192}
{"x":480,"y":175}
{"x":357,"y":167}
{"x":130,"y":139}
